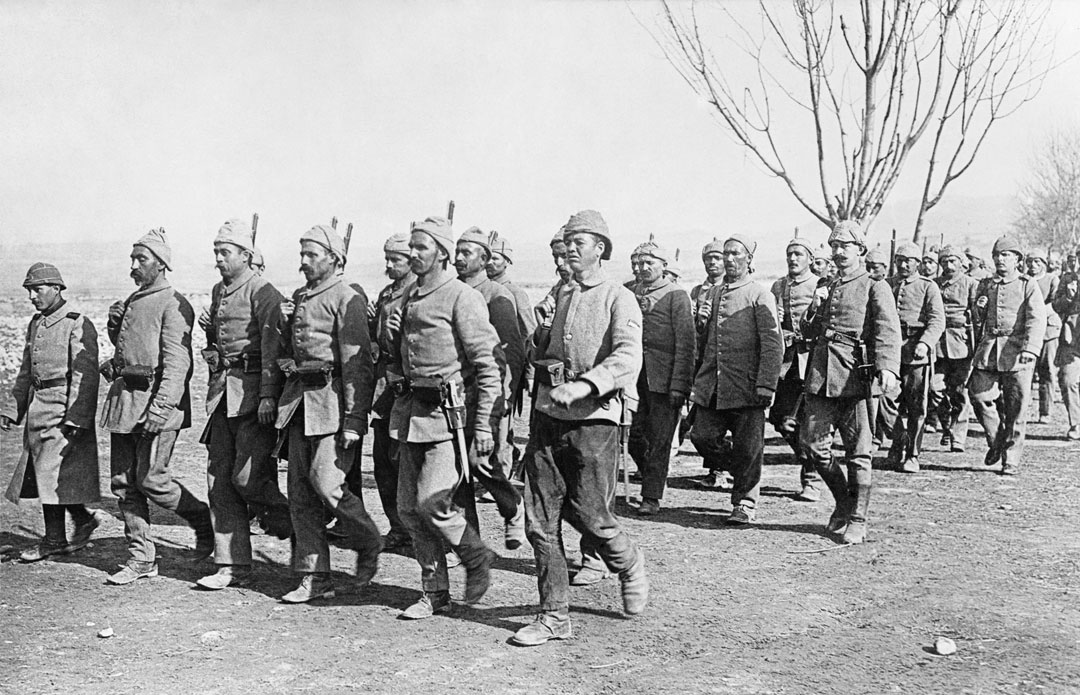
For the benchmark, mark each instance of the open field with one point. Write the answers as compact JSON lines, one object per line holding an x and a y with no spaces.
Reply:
{"x":955,"y":551}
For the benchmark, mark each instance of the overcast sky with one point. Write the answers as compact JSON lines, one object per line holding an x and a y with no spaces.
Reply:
{"x":122,"y":115}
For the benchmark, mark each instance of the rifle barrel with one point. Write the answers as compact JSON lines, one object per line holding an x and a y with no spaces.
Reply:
{"x":254,"y":227}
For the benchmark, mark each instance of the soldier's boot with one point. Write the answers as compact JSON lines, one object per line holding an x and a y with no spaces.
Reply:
{"x":548,"y":625}
{"x":635,"y":585}
{"x":197,"y":514}
{"x":836,"y":480}
{"x":898,"y":447}
{"x":913,"y":438}
{"x":856,"y":528}
{"x":477,"y":559}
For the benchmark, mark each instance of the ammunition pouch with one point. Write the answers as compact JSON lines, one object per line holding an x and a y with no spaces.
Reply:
{"x":315,"y":373}
{"x":137,"y":377}
{"x":909,"y":332}
{"x":213,"y":359}
{"x":550,"y":372}
{"x":250,"y":361}
{"x":428,"y":390}
{"x":842,"y":338}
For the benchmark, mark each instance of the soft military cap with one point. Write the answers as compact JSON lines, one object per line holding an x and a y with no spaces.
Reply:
{"x":714,"y":246}
{"x":498,"y":245}
{"x":931,"y":252}
{"x":822,"y":252}
{"x":236,"y":232}
{"x":43,"y":274}
{"x":398,"y":243}
{"x":849,"y":231}
{"x":592,"y":222}
{"x":439,"y":229}
{"x":908,"y":249}
{"x":257,"y":258}
{"x":326,"y":236}
{"x":876,"y":256}
{"x":949,"y":251}
{"x":559,"y":237}
{"x":1006,"y":244}
{"x":970,"y":252}
{"x":656,"y":251}
{"x":800,"y":241}
{"x":474,"y":235}
{"x":1037,"y":254}
{"x":155,"y":241}
{"x":749,"y":244}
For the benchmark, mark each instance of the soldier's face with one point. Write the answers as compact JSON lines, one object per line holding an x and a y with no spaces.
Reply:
{"x":798,"y":260}
{"x":316,"y":262}
{"x":649,"y":269}
{"x":424,"y":254}
{"x":929,"y":267}
{"x":714,"y":264}
{"x":583,"y":251}
{"x":558,"y":255}
{"x":469,"y":258}
{"x":230,"y":260}
{"x":950,"y":266}
{"x":1007,"y":262}
{"x":496,"y":265}
{"x":876,"y":270}
{"x":846,"y":255}
{"x":145,"y":266}
{"x":906,"y":267}
{"x":44,"y":297}
{"x":736,"y":260}
{"x":397,"y":265}
{"x":1036,"y":266}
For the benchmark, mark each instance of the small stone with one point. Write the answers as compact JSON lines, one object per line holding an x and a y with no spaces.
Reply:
{"x":944,"y":646}
{"x":105,"y":632}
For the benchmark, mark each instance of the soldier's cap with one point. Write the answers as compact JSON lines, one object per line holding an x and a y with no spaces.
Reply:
{"x":1007,"y":244}
{"x":714,"y":246}
{"x":592,"y":222}
{"x":236,"y":232}
{"x":877,"y":256}
{"x":651,"y":248}
{"x":1038,"y":254}
{"x":439,"y":229}
{"x":970,"y":252}
{"x":908,"y":249}
{"x":749,"y":244}
{"x":803,"y":242}
{"x":640,"y":248}
{"x":326,"y":236}
{"x":931,"y":252}
{"x":500,"y":246}
{"x":849,"y":231}
{"x":155,"y":241}
{"x":43,"y":274}
{"x":949,"y":251}
{"x":823,"y":253}
{"x":257,"y":258}
{"x":559,"y":237}
{"x":674,"y":270}
{"x":398,"y":243}
{"x":475,"y":235}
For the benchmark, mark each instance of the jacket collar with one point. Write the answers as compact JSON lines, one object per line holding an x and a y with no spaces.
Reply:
{"x":598,"y":279}
{"x":238,"y":282}
{"x":659,"y":284}
{"x":737,"y":284}
{"x":55,"y":315}
{"x":476,"y":280}
{"x":841,"y":280}
{"x":806,"y":276}
{"x":160,"y":284}
{"x":435,"y":281}
{"x":306,"y":293}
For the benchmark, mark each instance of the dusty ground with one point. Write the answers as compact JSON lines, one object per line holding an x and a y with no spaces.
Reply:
{"x":954,"y":551}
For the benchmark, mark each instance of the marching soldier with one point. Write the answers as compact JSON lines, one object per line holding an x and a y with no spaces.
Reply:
{"x":55,"y":394}
{"x":793,"y":294}
{"x":824,"y":266}
{"x":976,"y":267}
{"x":712,"y":257}
{"x":956,"y":347}
{"x":587,"y":356}
{"x":471,"y":256}
{"x":1067,"y":306}
{"x":922,"y":321}
{"x":928,"y":268}
{"x":383,"y":447}
{"x":243,"y":340}
{"x":877,"y":263}
{"x":1037,"y":266}
{"x":742,"y":352}
{"x":446,"y":358}
{"x":856,"y":333}
{"x":258,"y":264}
{"x":498,"y":267}
{"x":1010,"y":320}
{"x":148,"y":404}
{"x":666,"y":373}
{"x":323,"y":414}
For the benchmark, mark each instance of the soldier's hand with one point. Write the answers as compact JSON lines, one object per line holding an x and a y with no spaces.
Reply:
{"x":152,"y":426}
{"x":267,"y":411}
{"x":1028,"y":357}
{"x":393,"y":322}
{"x":348,"y":439}
{"x":72,"y":432}
{"x":889,"y":381}
{"x":287,"y":308}
{"x":116,"y":311}
{"x":484,"y":443}
{"x":371,"y":310}
{"x":1072,"y":287}
{"x":545,"y":309}
{"x":571,"y":392}
{"x":704,"y":308}
{"x":677,"y":398}
{"x":107,"y":370}
{"x":6,"y":423}
{"x":821,"y":294}
{"x":922,"y":351}
{"x":204,"y":319}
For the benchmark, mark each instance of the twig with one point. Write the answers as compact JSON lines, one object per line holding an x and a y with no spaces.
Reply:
{"x":614,"y":663}
{"x":819,"y":550}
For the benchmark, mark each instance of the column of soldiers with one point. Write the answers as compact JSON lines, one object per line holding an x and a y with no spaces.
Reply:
{"x":439,"y":363}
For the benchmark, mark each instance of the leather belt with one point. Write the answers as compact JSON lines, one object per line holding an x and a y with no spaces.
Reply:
{"x":39,"y":383}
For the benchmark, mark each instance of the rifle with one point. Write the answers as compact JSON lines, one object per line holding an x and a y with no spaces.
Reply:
{"x":625,"y":420}
{"x":333,"y":223}
{"x":254,"y":227}
{"x":450,"y":212}
{"x":348,"y":237}
{"x":892,"y":254}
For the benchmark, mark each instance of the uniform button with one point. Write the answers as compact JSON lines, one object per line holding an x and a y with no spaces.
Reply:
{"x":569,"y":336}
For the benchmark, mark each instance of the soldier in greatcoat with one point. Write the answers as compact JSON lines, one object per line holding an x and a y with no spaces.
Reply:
{"x":666,"y":372}
{"x":55,"y":396}
{"x":1010,"y":320}
{"x":922,"y":321}
{"x":323,"y":414}
{"x":149,"y":402}
{"x":1038,"y":270}
{"x":856,"y":333}
{"x":956,"y":347}
{"x":244,"y":384}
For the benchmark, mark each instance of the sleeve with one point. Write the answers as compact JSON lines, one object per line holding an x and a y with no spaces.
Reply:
{"x":357,"y":371}
{"x":478,"y":341}
{"x":526,"y":315}
{"x":621,"y":367}
{"x":83,"y":384}
{"x":1062,"y":303}
{"x":19,"y":400}
{"x":682,"y":322}
{"x":934,"y":310}
{"x":503,"y":314}
{"x":266,"y":305}
{"x":771,"y":343}
{"x":884,"y":339}
{"x":777,"y":290}
{"x":1034,"y":318}
{"x":175,"y":349}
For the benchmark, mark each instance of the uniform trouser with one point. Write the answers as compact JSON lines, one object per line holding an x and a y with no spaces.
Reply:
{"x":954,"y":406}
{"x":784,"y":410}
{"x":491,"y":472}
{"x":428,"y":480}
{"x":140,"y":474}
{"x":911,"y":407}
{"x":1044,"y":372}
{"x":1068,"y":360}
{"x":240,"y":471}
{"x":571,"y":475}
{"x":885,"y":412}
{"x":384,"y":451}
{"x":1005,"y":430}
{"x":56,"y":522}
{"x":851,"y":416}
{"x":650,"y":439}
{"x":317,"y":469}
{"x":747,"y":428}
{"x":933,"y":402}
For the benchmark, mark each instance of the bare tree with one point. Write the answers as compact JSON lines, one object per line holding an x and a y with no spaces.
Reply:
{"x":865,"y":81}
{"x":1049,"y":215}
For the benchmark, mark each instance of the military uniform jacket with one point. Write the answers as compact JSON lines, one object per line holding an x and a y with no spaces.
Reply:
{"x":793,"y":297}
{"x":329,"y":325}
{"x":57,"y":385}
{"x":446,"y":334}
{"x":244,"y":320}
{"x":1048,"y":285}
{"x":858,"y":307}
{"x":389,"y":300}
{"x":596,"y":334}
{"x":1010,"y":318}
{"x":742,"y":349}
{"x":522,"y":304}
{"x":667,"y":331}
{"x":154,"y":332}
{"x":957,"y":298}
{"x":922,"y":315}
{"x":502,"y":313}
